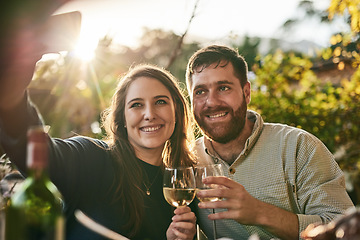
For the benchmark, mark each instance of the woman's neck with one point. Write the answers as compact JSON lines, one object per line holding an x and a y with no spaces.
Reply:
{"x":151,"y":156}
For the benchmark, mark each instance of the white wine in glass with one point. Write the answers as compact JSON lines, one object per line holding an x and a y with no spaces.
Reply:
{"x":179,"y":186}
{"x":203,"y":171}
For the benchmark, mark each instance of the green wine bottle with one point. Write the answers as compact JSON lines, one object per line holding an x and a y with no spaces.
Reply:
{"x":34,"y":212}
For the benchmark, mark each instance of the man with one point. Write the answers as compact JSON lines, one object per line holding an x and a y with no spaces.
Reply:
{"x":279,"y":179}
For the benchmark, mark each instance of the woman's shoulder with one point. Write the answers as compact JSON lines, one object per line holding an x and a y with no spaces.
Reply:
{"x":80,"y":144}
{"x":89,"y":141}
{"x":82,"y":141}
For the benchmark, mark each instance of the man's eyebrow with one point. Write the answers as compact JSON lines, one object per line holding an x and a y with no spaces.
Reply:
{"x":224,"y":82}
{"x":217,"y":83}
{"x":199,"y":86}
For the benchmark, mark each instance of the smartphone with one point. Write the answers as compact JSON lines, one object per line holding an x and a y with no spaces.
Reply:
{"x":61,"y":32}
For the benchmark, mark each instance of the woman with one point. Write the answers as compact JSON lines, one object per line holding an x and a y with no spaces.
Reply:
{"x":148,"y":120}
{"x":118,"y":183}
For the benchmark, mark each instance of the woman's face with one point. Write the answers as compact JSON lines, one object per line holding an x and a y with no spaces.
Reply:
{"x":149,"y":114}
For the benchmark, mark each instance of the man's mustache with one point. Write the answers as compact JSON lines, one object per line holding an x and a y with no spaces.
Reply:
{"x":210,"y":111}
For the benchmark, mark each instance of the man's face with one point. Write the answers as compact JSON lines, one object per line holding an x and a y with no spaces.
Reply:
{"x":219,"y":103}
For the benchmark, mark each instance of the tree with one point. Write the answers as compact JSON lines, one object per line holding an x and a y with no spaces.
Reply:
{"x":249,"y":49}
{"x":346,"y":7}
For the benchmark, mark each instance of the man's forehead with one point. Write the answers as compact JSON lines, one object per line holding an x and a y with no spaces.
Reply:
{"x":211,"y":65}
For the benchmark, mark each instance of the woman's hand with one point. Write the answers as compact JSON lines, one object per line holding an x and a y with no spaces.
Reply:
{"x":183,"y":225}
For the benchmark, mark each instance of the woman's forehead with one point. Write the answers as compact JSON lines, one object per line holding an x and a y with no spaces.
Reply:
{"x":146,"y":87}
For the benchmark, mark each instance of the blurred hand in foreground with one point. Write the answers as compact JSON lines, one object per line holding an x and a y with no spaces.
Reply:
{"x":20,"y":46}
{"x":346,"y":227}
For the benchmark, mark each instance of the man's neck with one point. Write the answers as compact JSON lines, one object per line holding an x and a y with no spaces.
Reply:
{"x":231,"y":150}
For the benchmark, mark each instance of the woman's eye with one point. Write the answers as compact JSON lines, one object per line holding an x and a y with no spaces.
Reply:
{"x":161,"y":101}
{"x":135,"y":105}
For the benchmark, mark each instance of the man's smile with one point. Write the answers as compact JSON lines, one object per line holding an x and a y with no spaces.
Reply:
{"x":217,"y":115}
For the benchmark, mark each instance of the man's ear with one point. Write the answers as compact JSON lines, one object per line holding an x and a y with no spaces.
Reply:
{"x":247,"y":92}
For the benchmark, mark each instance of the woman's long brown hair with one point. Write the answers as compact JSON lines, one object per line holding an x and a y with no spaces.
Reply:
{"x":177,"y":150}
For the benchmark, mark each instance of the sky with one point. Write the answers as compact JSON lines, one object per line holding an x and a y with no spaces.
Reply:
{"x":124,"y":20}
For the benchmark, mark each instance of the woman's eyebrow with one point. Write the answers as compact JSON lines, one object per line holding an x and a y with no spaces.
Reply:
{"x":134,"y":100}
{"x":162,"y":96}
{"x":140,"y":99}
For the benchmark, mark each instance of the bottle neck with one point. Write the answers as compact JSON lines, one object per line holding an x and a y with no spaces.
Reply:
{"x":38,"y":173}
{"x":37,"y":159}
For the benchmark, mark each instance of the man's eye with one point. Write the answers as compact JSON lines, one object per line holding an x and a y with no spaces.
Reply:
{"x":199,"y":92}
{"x":224,"y":88}
{"x":135,"y":105}
{"x":161,"y":101}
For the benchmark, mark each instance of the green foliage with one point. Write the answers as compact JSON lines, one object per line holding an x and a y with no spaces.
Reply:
{"x":286,"y":90}
{"x":351,"y":7}
{"x":249,"y":49}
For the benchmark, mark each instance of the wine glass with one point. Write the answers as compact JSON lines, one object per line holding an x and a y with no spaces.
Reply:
{"x":201,"y":172}
{"x":179,"y":186}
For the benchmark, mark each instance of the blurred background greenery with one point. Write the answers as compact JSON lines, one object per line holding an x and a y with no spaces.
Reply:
{"x":319,"y":92}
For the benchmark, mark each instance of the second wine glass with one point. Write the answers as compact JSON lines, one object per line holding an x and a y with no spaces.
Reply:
{"x":204,"y":171}
{"x":179,"y":186}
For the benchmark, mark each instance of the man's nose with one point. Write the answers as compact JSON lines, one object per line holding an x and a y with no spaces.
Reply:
{"x":212,"y":99}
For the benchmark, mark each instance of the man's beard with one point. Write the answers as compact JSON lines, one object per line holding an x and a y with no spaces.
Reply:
{"x":225,"y":132}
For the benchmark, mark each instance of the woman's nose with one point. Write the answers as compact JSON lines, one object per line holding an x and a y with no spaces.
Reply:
{"x":149,"y":113}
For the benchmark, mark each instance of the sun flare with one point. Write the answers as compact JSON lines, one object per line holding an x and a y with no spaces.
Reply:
{"x":85,"y":47}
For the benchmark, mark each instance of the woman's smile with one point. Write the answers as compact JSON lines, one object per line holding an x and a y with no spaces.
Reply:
{"x":151,"y":129}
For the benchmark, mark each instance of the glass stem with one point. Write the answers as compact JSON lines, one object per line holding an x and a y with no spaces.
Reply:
{"x":214,"y":226}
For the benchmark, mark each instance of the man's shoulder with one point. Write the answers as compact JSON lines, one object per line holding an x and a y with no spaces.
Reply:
{"x":288,"y":132}
{"x":283,"y":128}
